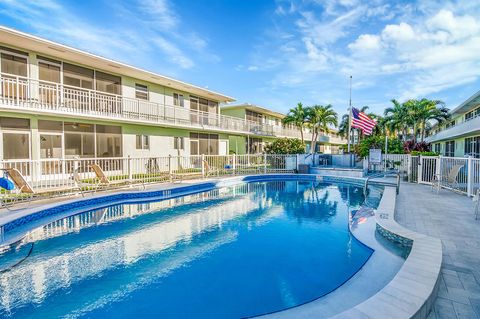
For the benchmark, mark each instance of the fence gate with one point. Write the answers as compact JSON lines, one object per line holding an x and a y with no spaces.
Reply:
{"x":413,"y":169}
{"x":427,"y":169}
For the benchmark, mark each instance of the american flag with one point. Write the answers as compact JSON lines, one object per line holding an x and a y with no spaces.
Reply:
{"x":362,"y":121}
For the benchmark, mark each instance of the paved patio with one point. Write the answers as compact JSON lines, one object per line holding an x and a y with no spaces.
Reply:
{"x":448,"y":216}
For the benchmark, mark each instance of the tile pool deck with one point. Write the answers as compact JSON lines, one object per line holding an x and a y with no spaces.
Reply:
{"x":448,"y":216}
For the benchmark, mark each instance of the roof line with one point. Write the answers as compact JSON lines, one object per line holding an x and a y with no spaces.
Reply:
{"x":108,"y":60}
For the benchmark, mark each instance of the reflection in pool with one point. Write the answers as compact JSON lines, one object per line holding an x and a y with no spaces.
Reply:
{"x":232,"y":252}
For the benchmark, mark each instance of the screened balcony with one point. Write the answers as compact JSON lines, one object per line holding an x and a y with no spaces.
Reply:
{"x":27,"y":94}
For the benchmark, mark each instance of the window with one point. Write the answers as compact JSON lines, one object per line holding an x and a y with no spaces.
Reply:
{"x":450,"y":148}
{"x":50,"y":126}
{"x":212,"y":107}
{"x":255,"y":145}
{"x":16,"y":146}
{"x":472,"y":114}
{"x":178,"y":143}
{"x":254,"y":116}
{"x":13,"y":64}
{"x":109,"y":141}
{"x":437,"y":148}
{"x":16,"y":138}
{"x":203,"y":105}
{"x":79,"y":140}
{"x":450,"y":124}
{"x":108,"y":83}
{"x":50,"y":146}
{"x":51,"y":139}
{"x":178,"y":100}
{"x":49,"y":72}
{"x":78,"y":76}
{"x":472,"y":146}
{"x":141,"y":91}
{"x":142,"y":142}
{"x":203,"y":144}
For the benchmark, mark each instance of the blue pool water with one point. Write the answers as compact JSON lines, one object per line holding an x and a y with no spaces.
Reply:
{"x":232,"y":252}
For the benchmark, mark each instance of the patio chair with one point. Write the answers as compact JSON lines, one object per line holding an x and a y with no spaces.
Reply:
{"x":209,"y":170}
{"x":449,"y":181}
{"x":103,"y":180}
{"x":82,"y":186}
{"x":476,"y":199}
{"x":21,"y":186}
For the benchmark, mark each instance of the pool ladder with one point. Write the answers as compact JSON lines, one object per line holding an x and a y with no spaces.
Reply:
{"x":382,"y":174}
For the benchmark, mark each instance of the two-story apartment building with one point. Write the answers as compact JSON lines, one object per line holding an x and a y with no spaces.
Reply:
{"x":58,"y":102}
{"x":461,"y":135}
{"x":270,"y":126}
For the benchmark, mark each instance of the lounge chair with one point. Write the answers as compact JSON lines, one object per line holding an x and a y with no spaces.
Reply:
{"x":105,"y":182}
{"x":209,"y":170}
{"x":79,"y":183}
{"x":21,"y":186}
{"x":449,"y":181}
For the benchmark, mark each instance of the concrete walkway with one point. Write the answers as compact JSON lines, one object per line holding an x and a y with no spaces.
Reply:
{"x":448,"y":216}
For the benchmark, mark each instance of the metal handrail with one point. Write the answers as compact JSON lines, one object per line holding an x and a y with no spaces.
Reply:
{"x":382,"y":174}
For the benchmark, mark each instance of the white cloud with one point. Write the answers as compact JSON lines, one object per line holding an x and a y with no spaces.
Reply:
{"x":458,"y":27}
{"x":398,"y":33}
{"x":366,"y":43}
{"x":145,"y":26}
{"x":160,"y":10}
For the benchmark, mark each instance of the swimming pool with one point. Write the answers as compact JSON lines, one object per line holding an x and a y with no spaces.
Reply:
{"x":231,"y":252}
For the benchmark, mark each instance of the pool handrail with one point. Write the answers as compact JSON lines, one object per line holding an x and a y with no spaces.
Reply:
{"x":382,"y":174}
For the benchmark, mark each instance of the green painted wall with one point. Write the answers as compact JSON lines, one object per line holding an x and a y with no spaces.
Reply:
{"x":240,"y":113}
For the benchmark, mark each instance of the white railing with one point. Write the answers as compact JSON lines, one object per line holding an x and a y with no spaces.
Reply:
{"x":424,"y":169}
{"x":56,"y":174}
{"x":22,"y":92}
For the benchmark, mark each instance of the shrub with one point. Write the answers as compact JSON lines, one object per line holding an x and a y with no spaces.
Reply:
{"x":376,"y":141}
{"x":285,"y":146}
{"x":410,"y":146}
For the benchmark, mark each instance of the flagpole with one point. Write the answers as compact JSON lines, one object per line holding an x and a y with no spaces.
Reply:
{"x":350,"y":116}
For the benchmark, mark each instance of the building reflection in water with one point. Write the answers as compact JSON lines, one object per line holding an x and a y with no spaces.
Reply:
{"x":42,"y":275}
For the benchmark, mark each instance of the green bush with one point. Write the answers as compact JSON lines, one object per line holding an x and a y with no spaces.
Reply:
{"x":285,"y":146}
{"x":395,"y":146}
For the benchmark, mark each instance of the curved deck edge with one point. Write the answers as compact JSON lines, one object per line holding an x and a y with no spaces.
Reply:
{"x":412,"y":291}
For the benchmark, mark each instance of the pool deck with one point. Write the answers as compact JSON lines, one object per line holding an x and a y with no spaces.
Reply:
{"x":448,"y":216}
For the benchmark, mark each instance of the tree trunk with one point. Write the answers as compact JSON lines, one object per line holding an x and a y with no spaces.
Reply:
{"x":301,"y":133}
{"x":422,"y":134}
{"x":312,"y":144}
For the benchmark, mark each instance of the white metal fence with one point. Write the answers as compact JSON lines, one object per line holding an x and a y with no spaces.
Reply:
{"x":425,"y":169}
{"x":57,"y":174}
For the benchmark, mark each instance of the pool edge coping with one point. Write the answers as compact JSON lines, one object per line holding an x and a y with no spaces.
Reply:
{"x":410,"y":294}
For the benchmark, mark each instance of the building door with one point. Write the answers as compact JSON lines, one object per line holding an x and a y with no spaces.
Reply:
{"x":223,"y":147}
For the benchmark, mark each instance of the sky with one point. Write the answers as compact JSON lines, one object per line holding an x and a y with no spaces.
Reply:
{"x":278,"y":53}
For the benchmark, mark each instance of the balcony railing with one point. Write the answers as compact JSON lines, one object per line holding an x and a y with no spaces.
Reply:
{"x":460,"y":128}
{"x":22,"y":92}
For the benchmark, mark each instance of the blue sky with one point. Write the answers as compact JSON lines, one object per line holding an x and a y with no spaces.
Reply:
{"x":278,"y":53}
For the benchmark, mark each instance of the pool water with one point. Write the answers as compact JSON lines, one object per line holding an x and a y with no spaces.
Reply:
{"x":233,"y":252}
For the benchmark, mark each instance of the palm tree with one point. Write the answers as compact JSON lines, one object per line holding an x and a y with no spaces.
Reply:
{"x":298,"y":117}
{"x":424,"y":111}
{"x":343,"y":127}
{"x":397,"y":118}
{"x":319,"y":119}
